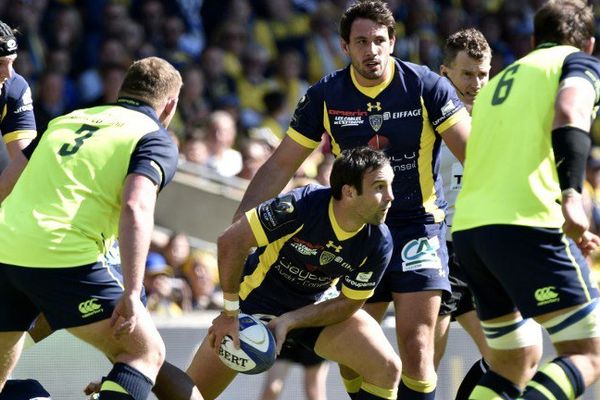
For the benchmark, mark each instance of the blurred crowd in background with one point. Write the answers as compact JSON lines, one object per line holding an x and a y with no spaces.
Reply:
{"x":245,"y":64}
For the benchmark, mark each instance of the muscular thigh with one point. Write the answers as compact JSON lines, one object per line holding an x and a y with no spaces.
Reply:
{"x":534,"y":270}
{"x":419,"y":262}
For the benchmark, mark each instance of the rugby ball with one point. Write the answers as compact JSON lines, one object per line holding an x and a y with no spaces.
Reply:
{"x":257,"y":350}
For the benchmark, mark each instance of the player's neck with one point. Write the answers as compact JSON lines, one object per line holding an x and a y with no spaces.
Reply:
{"x":345,"y":217}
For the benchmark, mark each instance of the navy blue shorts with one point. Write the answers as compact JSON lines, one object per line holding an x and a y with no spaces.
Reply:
{"x":24,"y":389}
{"x":68,"y":297}
{"x":460,"y":301}
{"x":533,"y":270}
{"x":419,"y":262}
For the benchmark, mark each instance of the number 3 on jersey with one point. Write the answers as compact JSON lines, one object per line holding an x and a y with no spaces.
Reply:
{"x":504,"y":85}
{"x":86,"y":131}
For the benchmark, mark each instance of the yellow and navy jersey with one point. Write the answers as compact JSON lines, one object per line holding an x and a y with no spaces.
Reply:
{"x":303,"y":252}
{"x":16,"y":107}
{"x":403,"y":116}
{"x":510,"y":171}
{"x":64,"y":210}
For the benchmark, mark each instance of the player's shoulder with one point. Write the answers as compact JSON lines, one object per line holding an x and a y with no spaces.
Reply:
{"x":338,"y":77}
{"x":311,"y":193}
{"x":16,"y":86}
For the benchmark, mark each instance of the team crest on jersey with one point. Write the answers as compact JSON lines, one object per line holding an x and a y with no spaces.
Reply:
{"x":326,"y":257}
{"x":376,"y":121}
{"x":301,"y":106}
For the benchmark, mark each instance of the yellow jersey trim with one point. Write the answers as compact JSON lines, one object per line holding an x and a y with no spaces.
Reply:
{"x":453,"y":120}
{"x":17,"y":135}
{"x":301,"y":139}
{"x":340,"y":233}
{"x":265,"y":261}
{"x":374,"y":91}
{"x":256,"y":226}
{"x":357,"y":294}
{"x":425,"y":168}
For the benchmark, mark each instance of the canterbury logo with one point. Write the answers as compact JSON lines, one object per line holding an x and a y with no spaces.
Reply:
{"x":546,"y":295}
{"x":331,"y":245}
{"x":89,"y":307}
{"x":376,"y":106}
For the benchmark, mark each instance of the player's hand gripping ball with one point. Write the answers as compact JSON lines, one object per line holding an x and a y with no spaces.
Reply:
{"x":257,"y":350}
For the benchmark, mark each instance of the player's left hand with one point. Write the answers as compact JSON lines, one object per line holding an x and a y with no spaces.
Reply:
{"x":280,"y":327}
{"x":124,"y":317}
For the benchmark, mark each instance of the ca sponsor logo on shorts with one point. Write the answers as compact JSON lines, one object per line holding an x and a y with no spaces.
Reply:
{"x":421,"y":254}
{"x":546,"y":295}
{"x":89,"y":307}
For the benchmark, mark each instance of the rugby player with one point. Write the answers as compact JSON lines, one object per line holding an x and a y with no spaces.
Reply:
{"x":466,"y":64}
{"x":307,"y":240}
{"x":520,"y":231}
{"x":405,"y":110}
{"x":96,"y":173}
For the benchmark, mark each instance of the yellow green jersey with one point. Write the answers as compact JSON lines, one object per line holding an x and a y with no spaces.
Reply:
{"x":510,"y":172}
{"x":64,"y":210}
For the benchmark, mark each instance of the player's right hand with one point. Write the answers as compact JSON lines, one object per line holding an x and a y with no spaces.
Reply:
{"x":223,"y":326}
{"x":124,"y":317}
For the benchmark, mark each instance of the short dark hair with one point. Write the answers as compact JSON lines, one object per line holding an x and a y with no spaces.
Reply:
{"x":375,"y":10}
{"x":566,"y":22}
{"x":350,"y":167}
{"x":151,"y":80}
{"x":469,"y":40}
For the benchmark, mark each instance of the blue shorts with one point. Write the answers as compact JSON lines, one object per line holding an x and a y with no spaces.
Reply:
{"x":68,"y":297}
{"x":419,"y":262}
{"x":460,"y":301}
{"x":24,"y":389}
{"x":533,"y":270}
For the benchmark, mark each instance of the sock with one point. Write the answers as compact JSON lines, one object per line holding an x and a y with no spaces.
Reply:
{"x":494,"y":387}
{"x":352,"y":386}
{"x":478,"y":369}
{"x":413,"y":389}
{"x":560,"y":379}
{"x":371,"y":392}
{"x":125,"y":382}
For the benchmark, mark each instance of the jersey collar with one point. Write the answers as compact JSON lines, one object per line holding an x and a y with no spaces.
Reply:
{"x":373,"y":91}
{"x":340,"y":233}
{"x":137,"y":105}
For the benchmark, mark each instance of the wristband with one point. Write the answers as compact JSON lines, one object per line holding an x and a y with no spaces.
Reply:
{"x":231,"y":305}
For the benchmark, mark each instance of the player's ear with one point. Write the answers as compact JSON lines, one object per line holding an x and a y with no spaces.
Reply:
{"x":443,"y":70}
{"x":348,"y":191}
{"x":345,"y":47}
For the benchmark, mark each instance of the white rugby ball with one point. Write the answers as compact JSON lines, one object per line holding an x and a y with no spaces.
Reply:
{"x":257,"y":350}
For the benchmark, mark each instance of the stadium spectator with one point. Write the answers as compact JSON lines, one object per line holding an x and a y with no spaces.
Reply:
{"x":177,"y":251}
{"x":167,"y":296}
{"x":296,"y":230}
{"x":219,"y":85}
{"x":221,"y":133}
{"x":523,"y":257}
{"x":202,"y":275}
{"x":254,"y":154}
